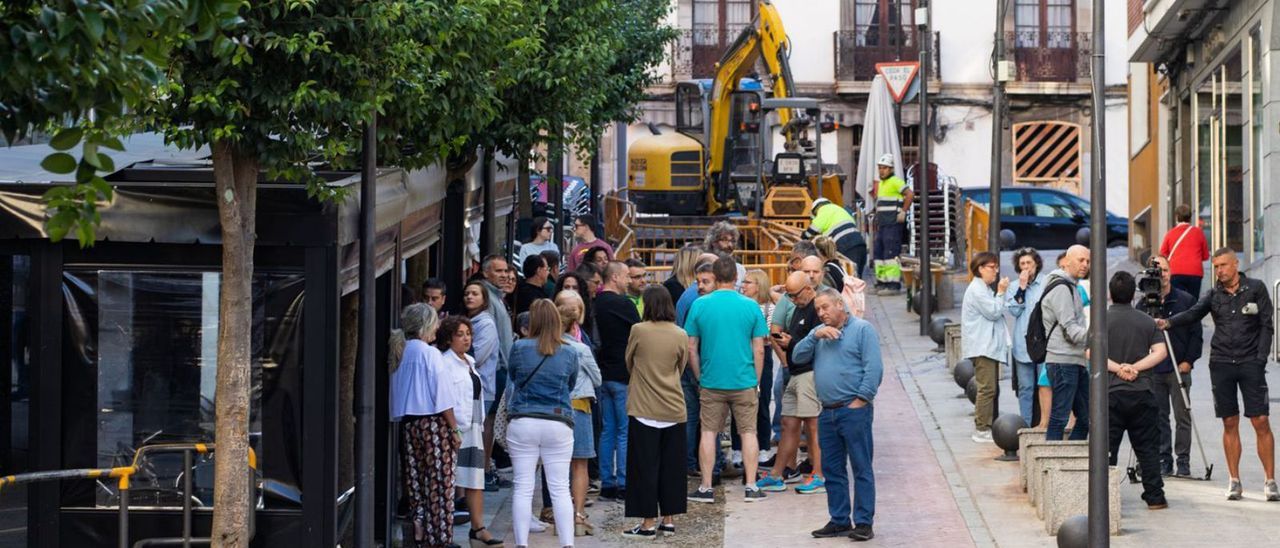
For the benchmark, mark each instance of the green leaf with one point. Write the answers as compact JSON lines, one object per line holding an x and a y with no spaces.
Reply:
{"x":67,"y":138}
{"x":59,"y":162}
{"x":106,"y":163}
{"x":112,"y":143}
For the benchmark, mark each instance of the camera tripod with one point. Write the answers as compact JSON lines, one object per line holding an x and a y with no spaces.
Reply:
{"x":1134,"y":472}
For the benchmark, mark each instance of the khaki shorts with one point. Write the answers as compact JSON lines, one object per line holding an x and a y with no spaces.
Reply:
{"x":716,"y":405}
{"x":800,"y":397}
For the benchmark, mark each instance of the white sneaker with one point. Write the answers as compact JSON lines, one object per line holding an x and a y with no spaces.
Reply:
{"x":737,"y":459}
{"x":1235,"y":491}
{"x":1270,"y":491}
{"x":536,"y":526}
{"x":766,"y":455}
{"x":982,"y":436}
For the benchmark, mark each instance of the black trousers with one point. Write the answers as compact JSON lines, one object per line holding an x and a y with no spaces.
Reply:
{"x":655,"y":470}
{"x":1136,"y":413}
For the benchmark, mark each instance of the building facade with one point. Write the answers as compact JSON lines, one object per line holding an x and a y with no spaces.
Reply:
{"x":1205,"y":69}
{"x":835,"y":45}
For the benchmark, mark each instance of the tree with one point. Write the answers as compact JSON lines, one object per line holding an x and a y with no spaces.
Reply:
{"x":83,"y":66}
{"x":292,"y":85}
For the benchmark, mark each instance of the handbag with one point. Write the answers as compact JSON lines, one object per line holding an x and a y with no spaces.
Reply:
{"x":501,"y":418}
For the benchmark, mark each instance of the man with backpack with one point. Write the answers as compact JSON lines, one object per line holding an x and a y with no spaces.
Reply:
{"x":1058,"y":336}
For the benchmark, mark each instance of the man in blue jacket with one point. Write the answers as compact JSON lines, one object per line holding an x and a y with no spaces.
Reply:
{"x":847,"y":368}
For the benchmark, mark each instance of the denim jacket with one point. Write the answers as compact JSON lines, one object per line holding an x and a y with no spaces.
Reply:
{"x":1020,"y":303}
{"x":545,"y":393}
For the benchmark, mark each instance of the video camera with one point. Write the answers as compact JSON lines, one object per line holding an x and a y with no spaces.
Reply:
{"x":1149,"y":285}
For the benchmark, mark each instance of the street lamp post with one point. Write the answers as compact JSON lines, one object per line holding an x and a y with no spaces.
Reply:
{"x":926,"y":263}
{"x":1099,"y":514}
{"x":997,"y":131}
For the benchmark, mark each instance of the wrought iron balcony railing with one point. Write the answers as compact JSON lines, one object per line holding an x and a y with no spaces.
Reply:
{"x":1050,"y":56}
{"x":858,"y":51}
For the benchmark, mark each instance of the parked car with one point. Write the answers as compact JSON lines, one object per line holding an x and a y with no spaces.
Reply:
{"x":1047,"y":218}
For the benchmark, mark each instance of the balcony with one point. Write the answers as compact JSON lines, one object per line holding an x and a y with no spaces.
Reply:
{"x":857,"y":52}
{"x":1051,"y":56}
{"x":695,"y":52}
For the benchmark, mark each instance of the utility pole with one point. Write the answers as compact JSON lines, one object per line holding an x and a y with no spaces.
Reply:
{"x":997,"y":130}
{"x":1099,"y":514}
{"x":926,"y":262}
{"x":366,"y":375}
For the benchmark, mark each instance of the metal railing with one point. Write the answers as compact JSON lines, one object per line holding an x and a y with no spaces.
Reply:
{"x":695,"y":52}
{"x":858,"y":51}
{"x":1050,"y":56}
{"x":124,"y":475}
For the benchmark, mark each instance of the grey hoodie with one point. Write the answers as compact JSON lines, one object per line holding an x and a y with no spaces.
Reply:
{"x":1063,"y":313}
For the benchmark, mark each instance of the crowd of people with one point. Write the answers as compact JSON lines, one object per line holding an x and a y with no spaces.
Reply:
{"x":1154,"y":339}
{"x":606,"y":386}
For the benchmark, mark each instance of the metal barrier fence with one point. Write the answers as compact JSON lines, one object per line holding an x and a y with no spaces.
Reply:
{"x":125,"y":474}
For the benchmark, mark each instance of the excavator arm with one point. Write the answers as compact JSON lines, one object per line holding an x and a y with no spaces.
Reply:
{"x":764,"y":39}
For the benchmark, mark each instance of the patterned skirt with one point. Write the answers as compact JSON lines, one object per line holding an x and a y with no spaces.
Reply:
{"x":429,"y":452}
{"x":470,"y":471}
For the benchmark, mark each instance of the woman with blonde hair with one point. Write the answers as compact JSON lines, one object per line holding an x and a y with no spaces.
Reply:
{"x":572,"y":311}
{"x":682,"y":271}
{"x":834,"y":273}
{"x":422,"y":398}
{"x":541,"y":374}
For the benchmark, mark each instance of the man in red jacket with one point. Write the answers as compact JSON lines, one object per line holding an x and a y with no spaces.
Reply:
{"x":1187,"y":251}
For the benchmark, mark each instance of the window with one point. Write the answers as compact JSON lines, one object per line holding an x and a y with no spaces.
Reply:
{"x":1012,"y":202}
{"x":1049,"y":204}
{"x":880,"y":22}
{"x":715,"y":25}
{"x":1044,"y":23}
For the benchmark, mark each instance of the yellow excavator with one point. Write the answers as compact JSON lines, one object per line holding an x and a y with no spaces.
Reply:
{"x":714,"y":162}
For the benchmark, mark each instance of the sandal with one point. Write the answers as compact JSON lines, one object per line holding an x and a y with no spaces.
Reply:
{"x":477,"y":542}
{"x":581,"y":527}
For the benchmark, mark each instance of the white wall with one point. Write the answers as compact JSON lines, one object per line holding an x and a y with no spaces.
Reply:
{"x":965,"y":28}
{"x":966,"y":153}
{"x":811,"y":25}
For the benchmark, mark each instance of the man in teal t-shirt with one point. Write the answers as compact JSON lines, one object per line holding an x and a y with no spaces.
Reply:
{"x":726,"y":354}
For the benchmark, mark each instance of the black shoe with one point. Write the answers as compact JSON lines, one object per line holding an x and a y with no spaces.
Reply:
{"x":639,"y":532}
{"x":491,"y":482}
{"x":831,"y":530}
{"x":608,"y":493}
{"x":474,"y":537}
{"x":622,"y":494}
{"x":461,"y":517}
{"x":693,"y":473}
{"x":715,"y":481}
{"x":805,"y":467}
{"x":667,"y":528}
{"x":1166,"y":469}
{"x":1157,"y":504}
{"x":861,"y":533}
{"x":791,"y":476}
{"x":699,"y":495}
{"x":769,"y":463}
{"x":1184,"y":469}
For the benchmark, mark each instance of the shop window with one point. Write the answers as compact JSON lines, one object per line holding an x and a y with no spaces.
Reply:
{"x":142,"y":370}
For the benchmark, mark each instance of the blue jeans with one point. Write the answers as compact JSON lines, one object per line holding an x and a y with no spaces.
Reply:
{"x":845,"y":438}
{"x":1026,"y":372}
{"x":780,"y":379}
{"x":613,"y":438}
{"x":693,"y":427}
{"x":1070,"y":395}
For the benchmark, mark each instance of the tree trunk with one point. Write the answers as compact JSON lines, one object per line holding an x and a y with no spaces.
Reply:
{"x":235,"y":174}
{"x":347,"y":345}
{"x":523,"y":197}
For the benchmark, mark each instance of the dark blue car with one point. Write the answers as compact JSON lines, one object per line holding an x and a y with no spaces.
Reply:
{"x":1047,"y":218}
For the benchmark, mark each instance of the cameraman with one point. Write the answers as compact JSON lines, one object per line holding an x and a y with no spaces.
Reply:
{"x":1238,"y":355}
{"x":1187,"y":342}
{"x":1134,"y":347}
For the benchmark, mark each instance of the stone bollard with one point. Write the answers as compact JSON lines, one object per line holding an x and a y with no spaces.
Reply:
{"x":1026,"y":436}
{"x":1037,"y":449}
{"x":1048,"y":488}
{"x":1066,"y":489}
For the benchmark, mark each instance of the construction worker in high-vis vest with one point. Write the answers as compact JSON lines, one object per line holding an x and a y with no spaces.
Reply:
{"x":893,"y":199}
{"x":836,"y":223}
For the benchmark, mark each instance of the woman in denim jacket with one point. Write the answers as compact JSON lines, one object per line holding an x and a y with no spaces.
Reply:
{"x":541,"y":375}
{"x":984,"y":336}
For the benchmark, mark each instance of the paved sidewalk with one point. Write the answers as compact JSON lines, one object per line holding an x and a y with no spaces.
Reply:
{"x":914,"y":506}
{"x":1199,"y":514}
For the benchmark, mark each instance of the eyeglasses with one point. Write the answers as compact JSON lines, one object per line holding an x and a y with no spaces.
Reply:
{"x":794,"y":296}
{"x":990,"y":265}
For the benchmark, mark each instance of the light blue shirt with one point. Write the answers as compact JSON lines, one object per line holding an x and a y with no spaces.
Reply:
{"x":685,"y":302}
{"x":484,"y":348}
{"x":501,"y":320}
{"x":847,"y":368}
{"x":420,"y":385}
{"x":982,"y":328}
{"x":1022,"y":314}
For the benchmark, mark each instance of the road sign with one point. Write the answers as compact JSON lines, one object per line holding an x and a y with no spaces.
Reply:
{"x":898,"y":76}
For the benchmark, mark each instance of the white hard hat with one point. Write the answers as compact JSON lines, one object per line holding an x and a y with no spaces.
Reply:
{"x":886,"y":159}
{"x":818,"y":203}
